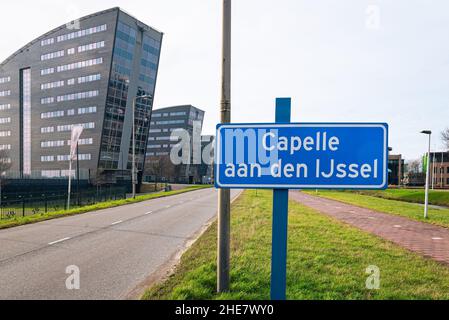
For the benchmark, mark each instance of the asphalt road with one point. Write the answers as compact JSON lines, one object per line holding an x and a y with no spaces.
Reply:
{"x":116,"y":250}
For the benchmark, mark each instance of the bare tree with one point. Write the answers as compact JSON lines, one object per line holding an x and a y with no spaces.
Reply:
{"x":160,"y":167}
{"x":414,"y":166}
{"x":445,"y":137}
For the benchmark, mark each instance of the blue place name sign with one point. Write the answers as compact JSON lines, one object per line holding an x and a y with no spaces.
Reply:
{"x":302,"y":156}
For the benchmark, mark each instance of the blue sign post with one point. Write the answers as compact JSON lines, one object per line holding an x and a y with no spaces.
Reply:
{"x":280,"y":221}
{"x":284,"y":155}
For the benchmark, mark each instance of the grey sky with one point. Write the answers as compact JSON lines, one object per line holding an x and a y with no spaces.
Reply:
{"x":328,"y":55}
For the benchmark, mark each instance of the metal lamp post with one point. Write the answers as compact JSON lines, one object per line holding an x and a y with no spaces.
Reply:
{"x":134,"y":168}
{"x":426,"y":202}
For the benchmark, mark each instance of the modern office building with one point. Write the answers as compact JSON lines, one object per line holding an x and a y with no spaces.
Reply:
{"x":86,"y":73}
{"x":160,"y":142}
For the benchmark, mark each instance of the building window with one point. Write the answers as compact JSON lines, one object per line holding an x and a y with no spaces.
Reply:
{"x":5,"y":134}
{"x":47,"y":158}
{"x":71,"y":112}
{"x":52,"y":144}
{"x":52,"y":55}
{"x":6,"y":160}
{"x":25,"y":98}
{"x":82,"y":142}
{"x":178,"y":114}
{"x":71,"y":82}
{"x":45,"y":72}
{"x":81,"y":157}
{"x":71,"y":51}
{"x":78,"y":96}
{"x":5,"y":106}
{"x":47,"y":42}
{"x":47,"y":100}
{"x":87,"y":110}
{"x":52,"y":85}
{"x":53,"y":114}
{"x":48,"y":130}
{"x":5,"y":120}
{"x":91,"y":78}
{"x":5,"y":147}
{"x":68,"y":127}
{"x":81,"y":33}
{"x":5,"y":93}
{"x":79,"y":65}
{"x":5,"y":80}
{"x":91,"y":46}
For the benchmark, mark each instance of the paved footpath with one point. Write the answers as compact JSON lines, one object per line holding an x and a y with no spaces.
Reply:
{"x":426,"y":239}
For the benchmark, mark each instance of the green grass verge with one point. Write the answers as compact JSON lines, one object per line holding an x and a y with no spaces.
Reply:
{"x":437,"y":216}
{"x":326,"y":260}
{"x":17,"y":221}
{"x":436,"y":197}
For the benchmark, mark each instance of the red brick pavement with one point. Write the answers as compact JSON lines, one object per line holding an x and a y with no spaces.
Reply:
{"x":426,"y":239}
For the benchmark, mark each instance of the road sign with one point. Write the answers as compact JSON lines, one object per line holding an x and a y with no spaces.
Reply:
{"x":302,"y":156}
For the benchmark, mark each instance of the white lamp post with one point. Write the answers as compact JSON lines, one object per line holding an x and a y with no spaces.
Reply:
{"x":426,"y":202}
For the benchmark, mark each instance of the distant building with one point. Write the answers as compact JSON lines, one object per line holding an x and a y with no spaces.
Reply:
{"x":88,"y":75}
{"x":396,"y":169}
{"x":160,"y":143}
{"x":439,"y":168}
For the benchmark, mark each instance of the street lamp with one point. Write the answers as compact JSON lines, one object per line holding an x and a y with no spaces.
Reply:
{"x":134,"y":168}
{"x":426,"y":202}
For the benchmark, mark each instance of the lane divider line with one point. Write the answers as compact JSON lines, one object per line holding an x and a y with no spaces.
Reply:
{"x":150,"y":212}
{"x":58,"y":241}
{"x":117,"y":222}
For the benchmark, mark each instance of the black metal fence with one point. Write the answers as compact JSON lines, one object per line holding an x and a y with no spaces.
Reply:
{"x":22,"y":205}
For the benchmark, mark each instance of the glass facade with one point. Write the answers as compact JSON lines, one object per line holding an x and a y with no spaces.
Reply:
{"x":25,"y":97}
{"x":117,"y":97}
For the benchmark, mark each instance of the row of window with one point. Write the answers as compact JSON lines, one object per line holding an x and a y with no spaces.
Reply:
{"x":168,"y":122}
{"x":68,"y":127}
{"x":52,"y":85}
{"x":5,"y":107}
{"x":5,"y":147}
{"x":158,"y":154}
{"x":5,"y":80}
{"x":58,"y":84}
{"x":90,"y":78}
{"x":171,"y":114}
{"x":163,"y":130}
{"x":53,"y":114}
{"x":47,"y":42}
{"x":5,"y":134}
{"x":91,"y":46}
{"x":71,"y":112}
{"x":81,"y":33}
{"x":5,"y":93}
{"x":79,"y":65}
{"x":78,"y":96}
{"x":52,"y":55}
{"x":62,"y":143}
{"x":5,"y":120}
{"x":60,"y":158}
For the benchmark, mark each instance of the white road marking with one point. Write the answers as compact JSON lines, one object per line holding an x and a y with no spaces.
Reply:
{"x":150,"y":212}
{"x":397,"y":226}
{"x":371,"y":218}
{"x":117,"y":222}
{"x":58,"y":241}
{"x":169,"y":206}
{"x":437,"y":238}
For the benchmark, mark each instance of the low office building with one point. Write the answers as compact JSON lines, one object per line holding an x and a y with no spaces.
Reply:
{"x":161,"y":143}
{"x":86,"y":73}
{"x":439,"y":168}
{"x":396,"y":170}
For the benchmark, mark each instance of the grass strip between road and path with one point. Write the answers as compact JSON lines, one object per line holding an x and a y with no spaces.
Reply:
{"x":326,"y":260}
{"x":437,"y":216}
{"x":18,"y":221}
{"x":436,"y":197}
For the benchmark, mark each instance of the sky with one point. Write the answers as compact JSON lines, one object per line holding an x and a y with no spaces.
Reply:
{"x":339,"y":60}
